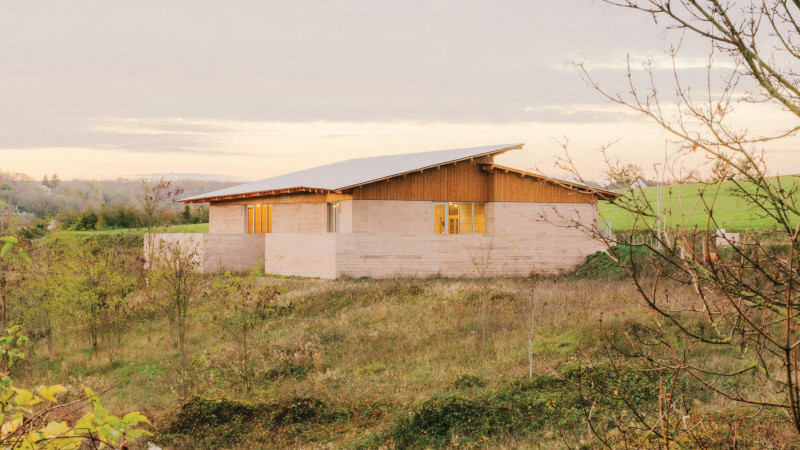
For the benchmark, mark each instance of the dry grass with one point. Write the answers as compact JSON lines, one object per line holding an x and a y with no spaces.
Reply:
{"x":388,"y":342}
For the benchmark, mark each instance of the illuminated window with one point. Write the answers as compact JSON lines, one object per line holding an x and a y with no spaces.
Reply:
{"x":259,"y":219}
{"x":459,"y":218}
{"x":334,"y":208}
{"x":480,"y":218}
{"x":439,"y":213}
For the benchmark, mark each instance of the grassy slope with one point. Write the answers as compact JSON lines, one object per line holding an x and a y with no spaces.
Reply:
{"x":685,"y":205}
{"x":380,"y":346}
{"x":191,"y":228}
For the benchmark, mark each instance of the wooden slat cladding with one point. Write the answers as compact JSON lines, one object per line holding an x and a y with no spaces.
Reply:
{"x":304,"y":197}
{"x":466,"y":182}
{"x":511,"y":187}
{"x":460,"y":182}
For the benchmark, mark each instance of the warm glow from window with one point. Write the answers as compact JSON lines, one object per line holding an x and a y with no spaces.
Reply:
{"x":334,"y":209}
{"x":459,"y":218}
{"x":439,"y":214}
{"x":259,"y":219}
{"x":452,"y":218}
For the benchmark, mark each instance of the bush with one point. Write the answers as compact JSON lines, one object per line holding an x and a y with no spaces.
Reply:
{"x":203,"y":422}
{"x":602,"y":266}
{"x":524,"y":406}
{"x":468,"y":380}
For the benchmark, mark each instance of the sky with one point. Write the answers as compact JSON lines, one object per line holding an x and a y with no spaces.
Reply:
{"x":246,"y":90}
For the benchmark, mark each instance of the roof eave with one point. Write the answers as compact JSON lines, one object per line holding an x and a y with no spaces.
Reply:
{"x":600,"y":193}
{"x":294,"y":190}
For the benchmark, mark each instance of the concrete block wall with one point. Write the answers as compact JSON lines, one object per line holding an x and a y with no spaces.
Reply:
{"x":234,"y":253}
{"x":286,"y":218}
{"x":392,"y":217}
{"x":300,"y":218}
{"x":301,"y":254}
{"x":213,"y":253}
{"x":227,"y":219}
{"x":380,"y":238}
{"x":160,"y":245}
{"x":396,"y":238}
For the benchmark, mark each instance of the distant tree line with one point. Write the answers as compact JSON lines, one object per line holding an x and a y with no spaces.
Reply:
{"x":94,"y":204}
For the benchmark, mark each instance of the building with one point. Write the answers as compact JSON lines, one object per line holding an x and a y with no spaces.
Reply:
{"x":450,"y":213}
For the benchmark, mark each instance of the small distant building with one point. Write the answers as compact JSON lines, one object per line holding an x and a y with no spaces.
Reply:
{"x":639,"y":183}
{"x":450,"y":213}
{"x":642,"y":183}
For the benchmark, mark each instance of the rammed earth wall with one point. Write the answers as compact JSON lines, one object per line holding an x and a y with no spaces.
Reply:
{"x":215,"y":252}
{"x":521,"y":238}
{"x":384,"y":238}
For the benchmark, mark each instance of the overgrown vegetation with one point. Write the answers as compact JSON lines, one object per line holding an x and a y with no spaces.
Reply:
{"x":359,"y":363}
{"x":743,"y":307}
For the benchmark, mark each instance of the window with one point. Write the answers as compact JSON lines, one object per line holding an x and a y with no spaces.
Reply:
{"x":459,"y":218}
{"x":259,"y":219}
{"x":439,"y":214}
{"x":334,"y":209}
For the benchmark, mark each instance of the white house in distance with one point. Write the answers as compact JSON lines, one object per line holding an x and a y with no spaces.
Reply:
{"x":450,"y":213}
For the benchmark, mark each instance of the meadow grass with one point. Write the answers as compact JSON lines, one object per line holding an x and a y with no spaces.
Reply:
{"x":362,"y":358}
{"x":688,"y":204}
{"x":184,"y":228}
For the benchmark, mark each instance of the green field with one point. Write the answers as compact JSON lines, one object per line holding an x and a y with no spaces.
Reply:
{"x":190,"y":228}
{"x":684,"y":205}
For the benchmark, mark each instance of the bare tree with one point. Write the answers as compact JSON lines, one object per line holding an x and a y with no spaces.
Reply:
{"x":154,"y":203}
{"x":745,"y":294}
{"x":177,"y":277}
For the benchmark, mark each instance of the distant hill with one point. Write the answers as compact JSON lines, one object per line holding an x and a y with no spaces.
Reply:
{"x":685,"y":205}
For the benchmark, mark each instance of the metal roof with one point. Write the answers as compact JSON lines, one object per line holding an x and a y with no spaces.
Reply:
{"x":355,"y":172}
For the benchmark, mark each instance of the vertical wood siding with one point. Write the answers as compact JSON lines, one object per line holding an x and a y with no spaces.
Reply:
{"x":460,"y":182}
{"x":512,"y":187}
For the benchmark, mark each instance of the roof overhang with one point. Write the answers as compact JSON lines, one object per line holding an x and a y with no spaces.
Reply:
{"x":295,"y":190}
{"x":582,"y":188}
{"x":306,"y":189}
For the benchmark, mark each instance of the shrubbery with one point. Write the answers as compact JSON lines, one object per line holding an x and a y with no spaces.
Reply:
{"x":225,"y":422}
{"x":523,"y":406}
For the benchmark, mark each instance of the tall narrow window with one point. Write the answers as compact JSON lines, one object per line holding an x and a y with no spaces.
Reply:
{"x":334,"y":209}
{"x":466,"y":218}
{"x":439,"y":218}
{"x":480,"y":218}
{"x":452,"y":218}
{"x":259,"y":219}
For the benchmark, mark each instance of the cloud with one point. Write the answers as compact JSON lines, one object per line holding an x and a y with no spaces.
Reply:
{"x":640,"y":62}
{"x":192,"y":176}
{"x":151,"y":135}
{"x":579,"y":113}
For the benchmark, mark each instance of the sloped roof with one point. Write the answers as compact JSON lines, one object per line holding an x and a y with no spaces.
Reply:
{"x":353,"y":172}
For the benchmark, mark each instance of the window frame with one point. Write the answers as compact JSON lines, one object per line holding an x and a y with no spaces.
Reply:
{"x":334,"y":212}
{"x":474,"y":211}
{"x":257,"y":214}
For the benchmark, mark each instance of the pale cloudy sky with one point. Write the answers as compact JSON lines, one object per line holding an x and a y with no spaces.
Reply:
{"x":251,"y":89}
